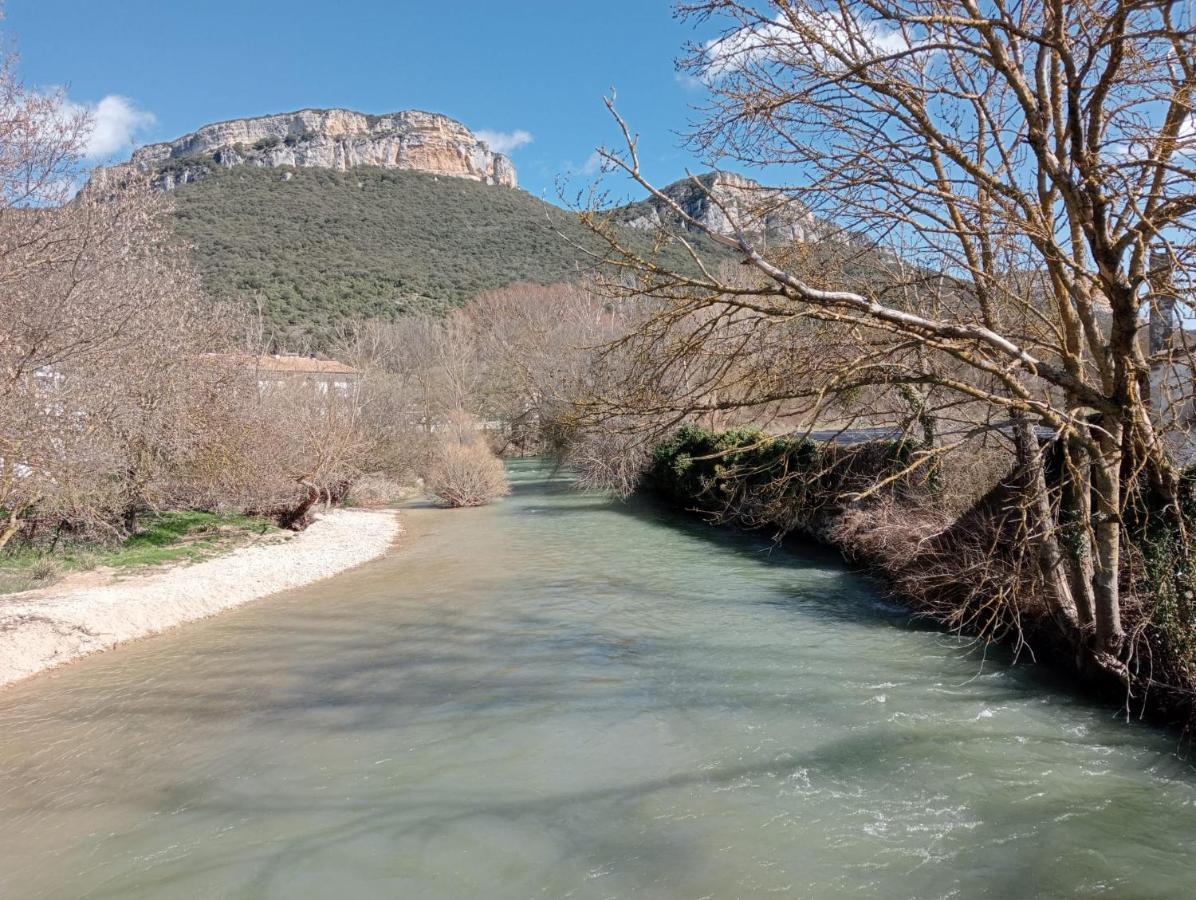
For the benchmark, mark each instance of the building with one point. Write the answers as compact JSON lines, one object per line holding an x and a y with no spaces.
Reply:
{"x":323,"y":374}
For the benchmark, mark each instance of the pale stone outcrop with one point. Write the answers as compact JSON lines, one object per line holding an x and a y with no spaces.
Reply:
{"x":758,"y":209}
{"x":329,"y":139}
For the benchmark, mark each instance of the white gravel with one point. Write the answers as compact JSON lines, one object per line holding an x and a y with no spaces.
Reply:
{"x":46,"y":630}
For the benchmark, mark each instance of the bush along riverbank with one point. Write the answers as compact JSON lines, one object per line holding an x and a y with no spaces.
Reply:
{"x":971,"y":572}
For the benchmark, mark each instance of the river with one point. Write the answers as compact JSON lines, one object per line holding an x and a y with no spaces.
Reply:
{"x":561,"y":696}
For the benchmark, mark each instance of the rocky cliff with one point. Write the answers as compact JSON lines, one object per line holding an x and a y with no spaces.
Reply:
{"x":758,"y":209}
{"x":329,"y":139}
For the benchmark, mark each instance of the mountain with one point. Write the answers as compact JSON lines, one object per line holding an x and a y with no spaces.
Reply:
{"x":714,"y":198}
{"x":333,"y":215}
{"x":321,"y":246}
{"x":338,"y":139}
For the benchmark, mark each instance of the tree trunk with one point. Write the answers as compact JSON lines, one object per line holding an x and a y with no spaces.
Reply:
{"x":920,"y":410}
{"x":1106,"y":477}
{"x":13,"y":526}
{"x":1044,"y":532}
{"x":295,"y":518}
{"x":1075,"y":514}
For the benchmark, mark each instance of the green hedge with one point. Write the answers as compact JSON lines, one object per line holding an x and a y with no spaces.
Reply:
{"x":770,"y":479}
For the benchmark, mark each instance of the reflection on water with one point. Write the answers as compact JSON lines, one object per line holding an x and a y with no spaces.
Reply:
{"x":560,"y":696}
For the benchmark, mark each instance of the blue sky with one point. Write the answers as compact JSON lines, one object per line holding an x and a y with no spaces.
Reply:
{"x":506,"y":66}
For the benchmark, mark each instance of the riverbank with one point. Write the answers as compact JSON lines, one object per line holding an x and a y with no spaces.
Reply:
{"x":968,"y":572}
{"x":46,"y":628}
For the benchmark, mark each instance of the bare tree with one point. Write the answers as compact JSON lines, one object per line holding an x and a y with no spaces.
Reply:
{"x":86,"y":287}
{"x":122,"y":388}
{"x":112,"y":381}
{"x":40,"y":140}
{"x":536,"y":345}
{"x":1027,"y":158}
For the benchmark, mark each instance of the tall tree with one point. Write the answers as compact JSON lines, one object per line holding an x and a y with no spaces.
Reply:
{"x":1026,"y":158}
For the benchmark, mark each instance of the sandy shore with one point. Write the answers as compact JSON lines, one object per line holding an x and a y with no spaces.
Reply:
{"x":42,"y":629}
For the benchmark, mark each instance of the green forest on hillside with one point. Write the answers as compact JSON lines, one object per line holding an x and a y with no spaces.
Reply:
{"x":321,"y":246}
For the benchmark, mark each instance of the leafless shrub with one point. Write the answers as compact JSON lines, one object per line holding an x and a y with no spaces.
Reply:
{"x":377,"y":491}
{"x":464,"y":472}
{"x":609,"y":459}
{"x":304,"y":446}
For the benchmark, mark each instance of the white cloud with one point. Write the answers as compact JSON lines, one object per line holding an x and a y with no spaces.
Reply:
{"x":779,"y":38}
{"x":505,"y":141}
{"x":593,"y":164}
{"x":742,"y":47}
{"x":115,"y":123}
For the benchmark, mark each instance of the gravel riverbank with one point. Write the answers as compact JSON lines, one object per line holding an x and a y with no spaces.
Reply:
{"x":43,"y":629}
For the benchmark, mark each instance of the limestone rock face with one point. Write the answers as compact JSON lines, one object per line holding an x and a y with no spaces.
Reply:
{"x":758,"y":209}
{"x":329,"y":139}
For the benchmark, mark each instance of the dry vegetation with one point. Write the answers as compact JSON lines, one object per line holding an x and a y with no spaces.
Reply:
{"x":466,"y":475}
{"x":125,"y":391}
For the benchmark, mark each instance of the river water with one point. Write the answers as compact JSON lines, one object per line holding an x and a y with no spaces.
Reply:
{"x":559,"y":696}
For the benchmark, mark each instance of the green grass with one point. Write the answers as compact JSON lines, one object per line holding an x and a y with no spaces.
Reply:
{"x":183,"y":536}
{"x":188,"y":536}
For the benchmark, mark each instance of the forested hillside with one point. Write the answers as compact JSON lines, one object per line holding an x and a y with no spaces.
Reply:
{"x":319,"y":246}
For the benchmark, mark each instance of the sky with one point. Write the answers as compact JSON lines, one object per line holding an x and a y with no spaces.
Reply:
{"x":530,"y":74}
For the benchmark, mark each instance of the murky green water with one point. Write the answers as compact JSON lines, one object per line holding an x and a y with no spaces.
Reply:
{"x":561,"y":697}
